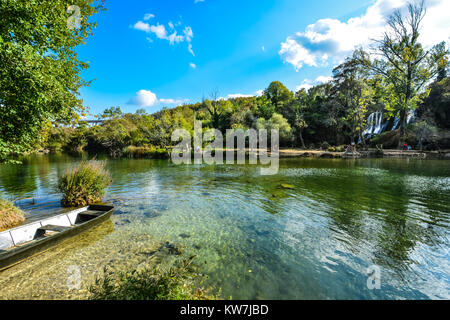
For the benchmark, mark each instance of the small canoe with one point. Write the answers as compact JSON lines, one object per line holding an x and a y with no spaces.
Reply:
{"x":33,"y":238}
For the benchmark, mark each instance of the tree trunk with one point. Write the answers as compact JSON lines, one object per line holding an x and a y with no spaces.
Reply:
{"x":301,"y":140}
{"x":402,"y":128}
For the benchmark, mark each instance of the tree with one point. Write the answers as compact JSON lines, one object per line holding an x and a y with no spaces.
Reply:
{"x":405,"y":64}
{"x":276,"y":122}
{"x":295,"y":113}
{"x":279,"y":95}
{"x":40,"y":74}
{"x":437,"y":105}
{"x":354,"y":93}
{"x":216,"y":108}
{"x":111,"y":113}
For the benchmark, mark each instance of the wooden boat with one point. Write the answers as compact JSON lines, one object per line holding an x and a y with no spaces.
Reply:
{"x":33,"y":238}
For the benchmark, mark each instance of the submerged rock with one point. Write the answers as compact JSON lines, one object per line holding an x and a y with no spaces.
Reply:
{"x":184,"y":235}
{"x":287,"y":186}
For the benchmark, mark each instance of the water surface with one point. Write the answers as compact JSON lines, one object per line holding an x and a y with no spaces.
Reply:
{"x":253,"y":238}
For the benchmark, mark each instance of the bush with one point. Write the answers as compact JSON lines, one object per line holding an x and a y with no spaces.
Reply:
{"x":325,"y":145}
{"x":176,"y":283}
{"x":331,"y":149}
{"x":145,"y":152}
{"x":84,"y":184}
{"x":10,"y":216}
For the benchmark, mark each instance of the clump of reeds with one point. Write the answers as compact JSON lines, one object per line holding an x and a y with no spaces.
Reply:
{"x":10,"y":216}
{"x":84,"y":184}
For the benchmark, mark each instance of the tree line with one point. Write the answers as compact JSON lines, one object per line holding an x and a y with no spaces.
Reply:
{"x":396,"y":76}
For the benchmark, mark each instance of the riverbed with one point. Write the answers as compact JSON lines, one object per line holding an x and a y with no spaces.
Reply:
{"x":318,"y":238}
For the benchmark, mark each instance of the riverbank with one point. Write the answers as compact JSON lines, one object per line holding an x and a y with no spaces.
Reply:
{"x":371,"y":153}
{"x":314,"y":153}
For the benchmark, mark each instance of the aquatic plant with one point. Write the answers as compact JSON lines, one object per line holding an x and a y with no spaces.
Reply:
{"x":84,"y":184}
{"x":10,"y":216}
{"x":179,"y":282}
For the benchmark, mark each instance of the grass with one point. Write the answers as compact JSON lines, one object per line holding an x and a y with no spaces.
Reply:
{"x":179,"y":282}
{"x":84,"y":184}
{"x":10,"y":216}
{"x":145,"y":152}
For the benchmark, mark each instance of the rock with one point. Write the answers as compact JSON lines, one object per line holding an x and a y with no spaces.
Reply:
{"x":184,"y":235}
{"x":287,"y":186}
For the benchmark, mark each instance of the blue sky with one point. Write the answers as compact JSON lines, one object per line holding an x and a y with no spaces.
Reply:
{"x":163,"y":53}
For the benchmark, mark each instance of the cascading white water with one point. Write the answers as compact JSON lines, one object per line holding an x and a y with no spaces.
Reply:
{"x":374,"y":124}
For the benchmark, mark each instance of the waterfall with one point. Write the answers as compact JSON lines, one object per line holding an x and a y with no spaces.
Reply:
{"x":374,"y":124}
{"x":410,"y":116}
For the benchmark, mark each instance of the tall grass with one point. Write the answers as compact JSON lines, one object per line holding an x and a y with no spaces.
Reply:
{"x":10,"y":216}
{"x":84,"y":184}
{"x":179,"y":282}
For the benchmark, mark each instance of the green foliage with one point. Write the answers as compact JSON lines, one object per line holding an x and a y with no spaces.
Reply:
{"x":146,"y":152}
{"x":84,"y":184}
{"x":325,"y":145}
{"x":179,"y":282}
{"x":406,"y":67}
{"x":40,"y":75}
{"x":277,"y":122}
{"x":278,"y":95}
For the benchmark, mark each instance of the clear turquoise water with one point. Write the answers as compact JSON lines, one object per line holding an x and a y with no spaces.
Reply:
{"x":253,"y":238}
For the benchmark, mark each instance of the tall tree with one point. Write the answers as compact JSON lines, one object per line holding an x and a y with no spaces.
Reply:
{"x":295,"y":113}
{"x":40,"y":74}
{"x":279,"y":95}
{"x":405,"y":64}
{"x":354,"y":93}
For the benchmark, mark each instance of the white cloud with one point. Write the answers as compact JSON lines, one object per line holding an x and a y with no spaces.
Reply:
{"x":323,"y":79}
{"x":263,"y":48}
{"x":188,"y":33}
{"x":308,"y":84}
{"x":192,"y":65}
{"x":332,"y":39}
{"x":174,"y":38}
{"x":240,"y":95}
{"x":160,"y":32}
{"x":144,"y":98}
{"x":148,"y":16}
{"x":142,"y":26}
{"x":173,"y":101}
{"x":190,"y":49}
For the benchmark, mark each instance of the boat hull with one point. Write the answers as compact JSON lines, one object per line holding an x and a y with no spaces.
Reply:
{"x":12,"y":257}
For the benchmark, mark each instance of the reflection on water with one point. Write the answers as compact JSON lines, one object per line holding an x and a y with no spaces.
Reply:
{"x":253,"y":238}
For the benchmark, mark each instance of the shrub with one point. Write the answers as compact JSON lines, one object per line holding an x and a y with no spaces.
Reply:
{"x":145,"y":152}
{"x":325,"y":145}
{"x":331,"y":149}
{"x":84,"y":184}
{"x":10,"y":216}
{"x":176,"y":283}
